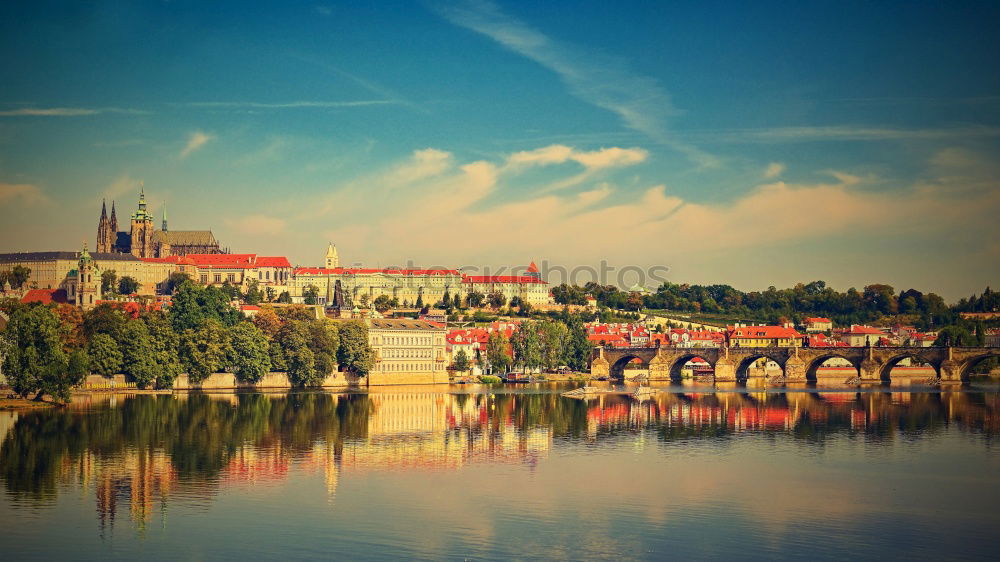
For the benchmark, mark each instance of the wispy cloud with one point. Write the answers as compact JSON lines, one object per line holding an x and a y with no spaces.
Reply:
{"x":195,"y":141}
{"x":597,"y":78}
{"x":846,"y":133}
{"x":120,"y":186}
{"x":23,"y":193}
{"x":66,"y":111}
{"x":773,"y":170}
{"x":291,"y":104}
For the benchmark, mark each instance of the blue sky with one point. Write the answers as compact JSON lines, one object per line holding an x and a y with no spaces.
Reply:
{"x":758,"y":144}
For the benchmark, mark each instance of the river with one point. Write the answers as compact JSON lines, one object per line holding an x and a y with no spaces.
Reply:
{"x":472,"y":472}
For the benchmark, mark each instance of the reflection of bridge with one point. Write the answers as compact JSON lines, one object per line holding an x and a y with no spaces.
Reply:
{"x":874,"y":364}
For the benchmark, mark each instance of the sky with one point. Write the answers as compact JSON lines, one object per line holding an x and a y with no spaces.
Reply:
{"x":753,"y":144}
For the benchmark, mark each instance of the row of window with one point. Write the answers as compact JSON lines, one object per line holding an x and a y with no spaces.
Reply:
{"x":410,"y":367}
{"x":408,"y":353}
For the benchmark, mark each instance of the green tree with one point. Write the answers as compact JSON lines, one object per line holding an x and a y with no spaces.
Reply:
{"x":354,"y":354}
{"x":381,"y":303}
{"x":420,"y":302}
{"x":497,"y":299}
{"x":250,"y":354}
{"x":204,"y":349}
{"x":35,"y":361}
{"x":527,"y":346}
{"x":138,"y":361}
{"x":553,"y":339}
{"x":461,"y":362}
{"x":104,"y":319}
{"x":18,"y":276}
{"x":175,"y":280}
{"x":311,"y":294}
{"x":192,"y":305}
{"x":474,"y":299}
{"x":253,"y":294}
{"x":578,"y":347}
{"x":496,"y":352}
{"x":128,"y":286}
{"x":165,"y":344}
{"x":105,"y":355}
{"x":109,"y":282}
{"x":301,"y":362}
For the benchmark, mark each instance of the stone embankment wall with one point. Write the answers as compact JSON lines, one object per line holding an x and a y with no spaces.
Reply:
{"x":227,"y":381}
{"x":386,"y":379}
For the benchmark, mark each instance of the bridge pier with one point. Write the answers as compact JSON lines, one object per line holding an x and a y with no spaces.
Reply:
{"x":795,"y":368}
{"x":870,"y":372}
{"x":950,"y":372}
{"x":600,"y":367}
{"x":725,"y":370}
{"x":659,"y":367}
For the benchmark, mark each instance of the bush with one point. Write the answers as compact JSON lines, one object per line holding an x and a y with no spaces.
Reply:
{"x":489,"y":379}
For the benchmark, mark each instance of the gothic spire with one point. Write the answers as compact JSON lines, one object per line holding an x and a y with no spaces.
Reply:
{"x":104,"y":210}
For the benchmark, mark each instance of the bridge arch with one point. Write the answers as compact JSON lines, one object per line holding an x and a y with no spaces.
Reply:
{"x":677,"y":366}
{"x":812,"y":368}
{"x":971,"y":363}
{"x":885,"y":372}
{"x":743,"y":368}
{"x":617,"y":370}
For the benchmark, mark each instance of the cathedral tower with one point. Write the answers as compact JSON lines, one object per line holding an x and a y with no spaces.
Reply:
{"x":142,"y":229}
{"x":103,"y":230}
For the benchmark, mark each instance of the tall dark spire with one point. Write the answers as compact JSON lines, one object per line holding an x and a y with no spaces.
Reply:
{"x":114,"y":219}
{"x":104,"y":210}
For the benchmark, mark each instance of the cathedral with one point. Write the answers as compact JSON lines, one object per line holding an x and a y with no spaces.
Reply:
{"x":142,"y":240}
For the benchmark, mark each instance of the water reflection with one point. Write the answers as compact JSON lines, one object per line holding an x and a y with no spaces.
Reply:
{"x":138,"y":452}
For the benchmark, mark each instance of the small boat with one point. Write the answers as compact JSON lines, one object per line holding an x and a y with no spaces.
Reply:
{"x":584,"y":391}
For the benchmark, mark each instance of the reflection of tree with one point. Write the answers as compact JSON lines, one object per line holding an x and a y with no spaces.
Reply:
{"x":139,"y":450}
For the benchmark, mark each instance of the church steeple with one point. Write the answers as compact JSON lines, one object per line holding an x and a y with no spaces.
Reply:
{"x":103,"y":229}
{"x":164,"y":227}
{"x":114,"y":219}
{"x":332,"y":259}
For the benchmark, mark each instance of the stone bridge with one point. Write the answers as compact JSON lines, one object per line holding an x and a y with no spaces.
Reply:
{"x":874,"y":364}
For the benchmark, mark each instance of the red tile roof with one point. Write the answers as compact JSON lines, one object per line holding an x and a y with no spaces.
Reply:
{"x":45,"y":296}
{"x":525,"y":279}
{"x":230,"y":261}
{"x":765,"y":332}
{"x":368,"y":271}
{"x":818,"y":320}
{"x":863,"y":330}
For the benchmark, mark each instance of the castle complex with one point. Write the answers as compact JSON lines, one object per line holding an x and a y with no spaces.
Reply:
{"x":143,"y":241}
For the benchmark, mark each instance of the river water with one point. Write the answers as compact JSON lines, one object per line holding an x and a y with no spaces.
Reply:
{"x":469,"y":472}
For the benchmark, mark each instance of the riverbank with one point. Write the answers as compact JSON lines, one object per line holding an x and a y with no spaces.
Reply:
{"x":24,"y":404}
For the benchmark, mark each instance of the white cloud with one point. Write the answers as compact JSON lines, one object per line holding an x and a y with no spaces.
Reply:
{"x":120,"y":186}
{"x":65,"y":111}
{"x":257,"y":225}
{"x":292,"y":104}
{"x":23,"y":193}
{"x":195,"y":141}
{"x":592,"y":160}
{"x":596,"y":78}
{"x":773,"y":170}
{"x":847,"y":133}
{"x":435,"y":210}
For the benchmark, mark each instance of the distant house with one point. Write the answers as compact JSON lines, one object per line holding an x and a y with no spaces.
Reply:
{"x":860,"y":336}
{"x":818,"y":324}
{"x":763,"y":336}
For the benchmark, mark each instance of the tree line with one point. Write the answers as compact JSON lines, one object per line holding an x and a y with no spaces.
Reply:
{"x":872,"y":303}
{"x":49,"y":349}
